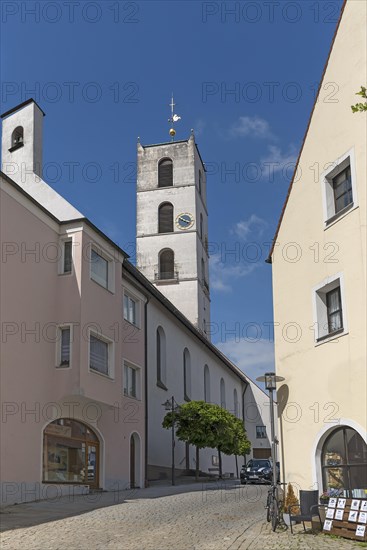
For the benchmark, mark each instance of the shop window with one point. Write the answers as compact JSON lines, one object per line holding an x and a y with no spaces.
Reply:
{"x":344,"y":462}
{"x":70,"y":453}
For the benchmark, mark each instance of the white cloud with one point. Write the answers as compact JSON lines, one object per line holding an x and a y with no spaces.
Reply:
{"x":252,"y":226}
{"x":253,"y":357}
{"x":276,"y":160}
{"x":251,"y":126}
{"x":222,"y":274}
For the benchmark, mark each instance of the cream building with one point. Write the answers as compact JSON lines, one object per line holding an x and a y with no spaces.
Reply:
{"x":319,"y":281}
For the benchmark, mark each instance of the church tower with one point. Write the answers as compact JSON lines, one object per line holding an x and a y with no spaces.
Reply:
{"x":172,"y":226}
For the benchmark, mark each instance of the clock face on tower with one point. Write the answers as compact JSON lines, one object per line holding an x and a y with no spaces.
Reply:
{"x":185,"y":220}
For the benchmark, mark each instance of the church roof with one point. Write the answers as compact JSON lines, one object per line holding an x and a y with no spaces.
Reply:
{"x":24,"y":104}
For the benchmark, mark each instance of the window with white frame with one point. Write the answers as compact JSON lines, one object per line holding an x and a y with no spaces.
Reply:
{"x":64,"y":347}
{"x":339,"y":188}
{"x":67,"y":257}
{"x":99,"y":268}
{"x":65,"y":266}
{"x":329,"y":305}
{"x":100,"y":355}
{"x":260,"y":432}
{"x":131,"y":309}
{"x":131,"y":380}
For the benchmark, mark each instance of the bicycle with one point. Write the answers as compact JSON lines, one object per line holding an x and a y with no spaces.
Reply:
{"x":273,"y":507}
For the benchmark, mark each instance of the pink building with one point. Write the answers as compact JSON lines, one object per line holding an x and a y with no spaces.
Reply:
{"x":72,"y":378}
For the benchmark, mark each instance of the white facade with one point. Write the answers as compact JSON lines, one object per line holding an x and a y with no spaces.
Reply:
{"x":21,"y":158}
{"x":188,"y":288}
{"x":210,"y":377}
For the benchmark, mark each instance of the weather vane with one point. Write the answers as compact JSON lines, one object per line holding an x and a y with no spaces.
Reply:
{"x":173,"y":118}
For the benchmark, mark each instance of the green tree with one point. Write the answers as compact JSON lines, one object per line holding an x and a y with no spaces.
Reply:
{"x":207,"y":425}
{"x":360,"y":107}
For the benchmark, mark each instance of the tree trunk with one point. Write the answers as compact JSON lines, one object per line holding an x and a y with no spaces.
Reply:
{"x":220,"y":463}
{"x":197,"y":464}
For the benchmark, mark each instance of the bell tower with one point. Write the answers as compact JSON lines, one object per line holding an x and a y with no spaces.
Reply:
{"x":172,"y":225}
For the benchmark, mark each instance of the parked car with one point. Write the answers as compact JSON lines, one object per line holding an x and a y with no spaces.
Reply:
{"x":257,"y":470}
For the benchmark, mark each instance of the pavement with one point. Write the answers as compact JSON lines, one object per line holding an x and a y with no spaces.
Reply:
{"x":204,"y":516}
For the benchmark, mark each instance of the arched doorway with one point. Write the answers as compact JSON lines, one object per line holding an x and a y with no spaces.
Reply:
{"x":134,"y":461}
{"x":344,"y":460}
{"x":70,"y":453}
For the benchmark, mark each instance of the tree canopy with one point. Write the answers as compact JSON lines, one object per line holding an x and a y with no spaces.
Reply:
{"x":208,"y":425}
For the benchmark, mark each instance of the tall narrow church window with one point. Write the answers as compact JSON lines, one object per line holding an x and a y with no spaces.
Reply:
{"x":165,"y":218}
{"x":222,"y":393}
{"x":166,"y":264}
{"x":161,"y":358}
{"x":201,"y":226}
{"x":235,"y":402}
{"x":206,"y":384}
{"x":200,"y":183}
{"x":187,"y":374}
{"x":165,"y":173}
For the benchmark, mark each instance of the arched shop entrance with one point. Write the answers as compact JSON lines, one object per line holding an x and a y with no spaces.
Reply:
{"x":70,"y":453}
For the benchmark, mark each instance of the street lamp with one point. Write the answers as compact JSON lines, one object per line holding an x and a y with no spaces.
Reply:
{"x":171,"y":406}
{"x":271,"y":380}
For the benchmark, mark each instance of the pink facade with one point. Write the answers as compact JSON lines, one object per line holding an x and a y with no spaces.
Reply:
{"x":38,"y":300}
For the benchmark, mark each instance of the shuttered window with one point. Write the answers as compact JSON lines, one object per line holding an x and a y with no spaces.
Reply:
{"x":98,"y":355}
{"x":166,"y":264}
{"x":165,"y":173}
{"x":165,"y":218}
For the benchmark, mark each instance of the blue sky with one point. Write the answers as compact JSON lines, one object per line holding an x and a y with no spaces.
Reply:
{"x":244,"y":75}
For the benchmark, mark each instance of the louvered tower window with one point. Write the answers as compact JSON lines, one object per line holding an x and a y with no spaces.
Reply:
{"x":165,"y":173}
{"x":166,"y":264}
{"x":165,"y":218}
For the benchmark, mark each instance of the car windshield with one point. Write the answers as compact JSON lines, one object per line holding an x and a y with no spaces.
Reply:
{"x":258,"y":464}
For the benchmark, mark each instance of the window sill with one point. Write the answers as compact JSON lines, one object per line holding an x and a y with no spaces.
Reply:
{"x":15,"y":147}
{"x":160,"y":282}
{"x":102,"y":286}
{"x":331,"y":336}
{"x":340,"y":215}
{"x":161,"y":385}
{"x":132,"y":324}
{"x":106,"y":376}
{"x":63,"y":367}
{"x":127,"y":396}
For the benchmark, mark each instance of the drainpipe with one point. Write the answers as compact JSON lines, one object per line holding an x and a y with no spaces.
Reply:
{"x":146,"y":390}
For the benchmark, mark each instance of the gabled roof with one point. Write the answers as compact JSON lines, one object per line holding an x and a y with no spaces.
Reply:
{"x":80,"y":219}
{"x":269,"y":258}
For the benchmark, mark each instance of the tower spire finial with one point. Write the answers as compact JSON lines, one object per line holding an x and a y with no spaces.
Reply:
{"x":174,"y":118}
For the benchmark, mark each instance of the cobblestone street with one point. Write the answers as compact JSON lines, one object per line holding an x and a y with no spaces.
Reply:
{"x":210,"y":516}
